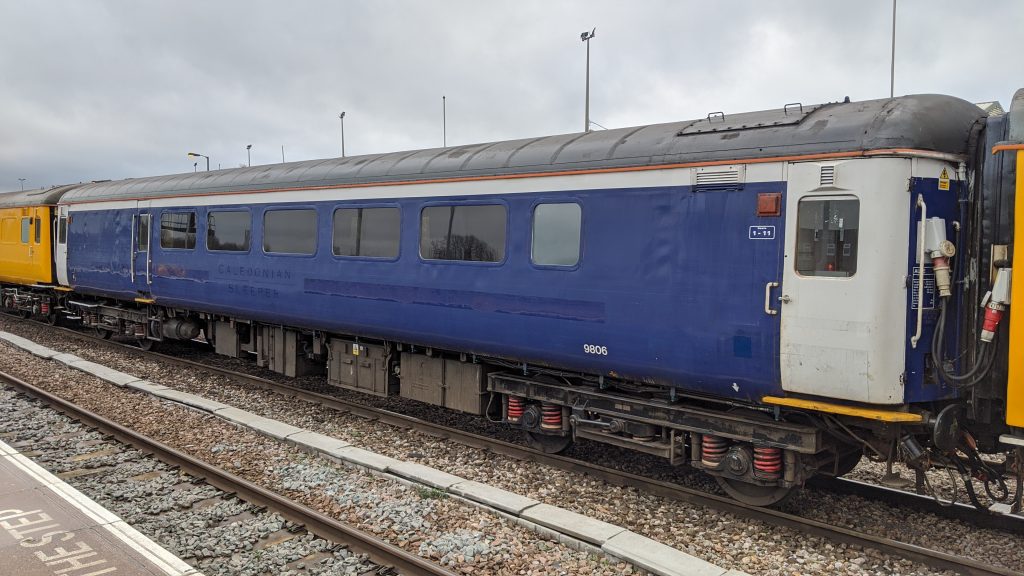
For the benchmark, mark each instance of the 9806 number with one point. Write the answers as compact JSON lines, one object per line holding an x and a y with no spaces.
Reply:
{"x":593,"y":349}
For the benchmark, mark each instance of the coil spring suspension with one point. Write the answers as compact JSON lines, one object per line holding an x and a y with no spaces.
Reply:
{"x":516,"y":407}
{"x":551,"y":416}
{"x":140,"y":330}
{"x":712,"y":450}
{"x":767,"y":462}
{"x":44,"y":308}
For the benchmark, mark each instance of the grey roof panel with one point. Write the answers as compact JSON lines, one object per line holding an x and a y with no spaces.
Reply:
{"x":115,"y":187}
{"x":450,"y":161}
{"x":34,"y":197}
{"x":373,"y":166}
{"x":927,"y":122}
{"x":540,"y":153}
{"x":317,"y":170}
{"x":154,"y":184}
{"x":500,"y":155}
{"x":590,"y":147}
{"x":214,"y":180}
{"x":415,"y":161}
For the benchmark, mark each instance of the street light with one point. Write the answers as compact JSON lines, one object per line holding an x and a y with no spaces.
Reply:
{"x":586,"y":36}
{"x":197,"y":155}
{"x":248,"y":154}
{"x":22,"y":184}
{"x":342,"y":118}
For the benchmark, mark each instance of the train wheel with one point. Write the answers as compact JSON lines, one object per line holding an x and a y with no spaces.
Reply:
{"x":753,"y":494}
{"x":745,"y":492}
{"x":102,"y":333}
{"x":145,"y":343}
{"x":25,"y":314}
{"x":52,"y":319}
{"x":547,"y":443}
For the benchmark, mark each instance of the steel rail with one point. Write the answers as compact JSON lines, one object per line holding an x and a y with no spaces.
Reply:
{"x":933,"y":558}
{"x":991,"y":520}
{"x":379,"y":551}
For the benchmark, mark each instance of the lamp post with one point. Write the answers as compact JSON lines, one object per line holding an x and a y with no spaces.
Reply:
{"x":586,"y":36}
{"x":22,"y":180}
{"x":248,"y":154}
{"x":342,"y":118}
{"x":197,"y":155}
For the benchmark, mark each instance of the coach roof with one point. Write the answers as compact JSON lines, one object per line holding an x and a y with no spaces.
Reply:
{"x":923,"y":122}
{"x":37,"y":197}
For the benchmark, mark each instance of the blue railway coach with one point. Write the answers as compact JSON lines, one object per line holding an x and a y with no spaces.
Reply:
{"x":733,"y":291}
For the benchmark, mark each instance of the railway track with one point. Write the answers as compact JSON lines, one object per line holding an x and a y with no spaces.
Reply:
{"x":385,"y":555}
{"x":915,"y":502}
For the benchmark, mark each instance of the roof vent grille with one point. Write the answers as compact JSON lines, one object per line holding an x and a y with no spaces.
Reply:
{"x":828,"y":176}
{"x":710,"y":179}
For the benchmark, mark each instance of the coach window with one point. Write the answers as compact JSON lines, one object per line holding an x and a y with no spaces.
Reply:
{"x":229,"y":231}
{"x":62,"y":230}
{"x":39,"y":227}
{"x":25,"y":225}
{"x":178,"y":230}
{"x":289,"y":231}
{"x":556,"y":234}
{"x":369,"y":232}
{"x":473,"y":233}
{"x":143,"y":238}
{"x":827,"y":233}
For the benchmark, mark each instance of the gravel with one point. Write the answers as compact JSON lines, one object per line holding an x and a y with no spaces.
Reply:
{"x":426,"y":522}
{"x":192,"y":520}
{"x":722,"y":539}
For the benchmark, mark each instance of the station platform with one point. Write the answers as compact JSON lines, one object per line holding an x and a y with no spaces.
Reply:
{"x":49,"y":527}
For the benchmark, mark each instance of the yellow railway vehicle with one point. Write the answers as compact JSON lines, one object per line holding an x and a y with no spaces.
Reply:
{"x":1014,"y":147}
{"x":27,"y":234}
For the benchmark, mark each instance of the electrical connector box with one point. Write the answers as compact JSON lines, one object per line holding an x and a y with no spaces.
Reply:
{"x":1001,"y":287}
{"x":935,"y":243}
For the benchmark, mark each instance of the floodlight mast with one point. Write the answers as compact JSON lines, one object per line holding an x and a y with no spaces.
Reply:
{"x":585,"y":37}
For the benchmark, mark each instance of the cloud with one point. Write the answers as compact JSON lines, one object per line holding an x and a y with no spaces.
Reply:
{"x":96,"y":90}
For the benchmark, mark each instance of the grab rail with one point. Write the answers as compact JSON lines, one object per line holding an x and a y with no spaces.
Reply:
{"x":920,"y":271}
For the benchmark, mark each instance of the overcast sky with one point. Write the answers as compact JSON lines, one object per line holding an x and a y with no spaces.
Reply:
{"x":120,"y":89}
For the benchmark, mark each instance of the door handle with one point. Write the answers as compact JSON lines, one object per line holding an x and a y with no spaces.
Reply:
{"x":768,"y":298}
